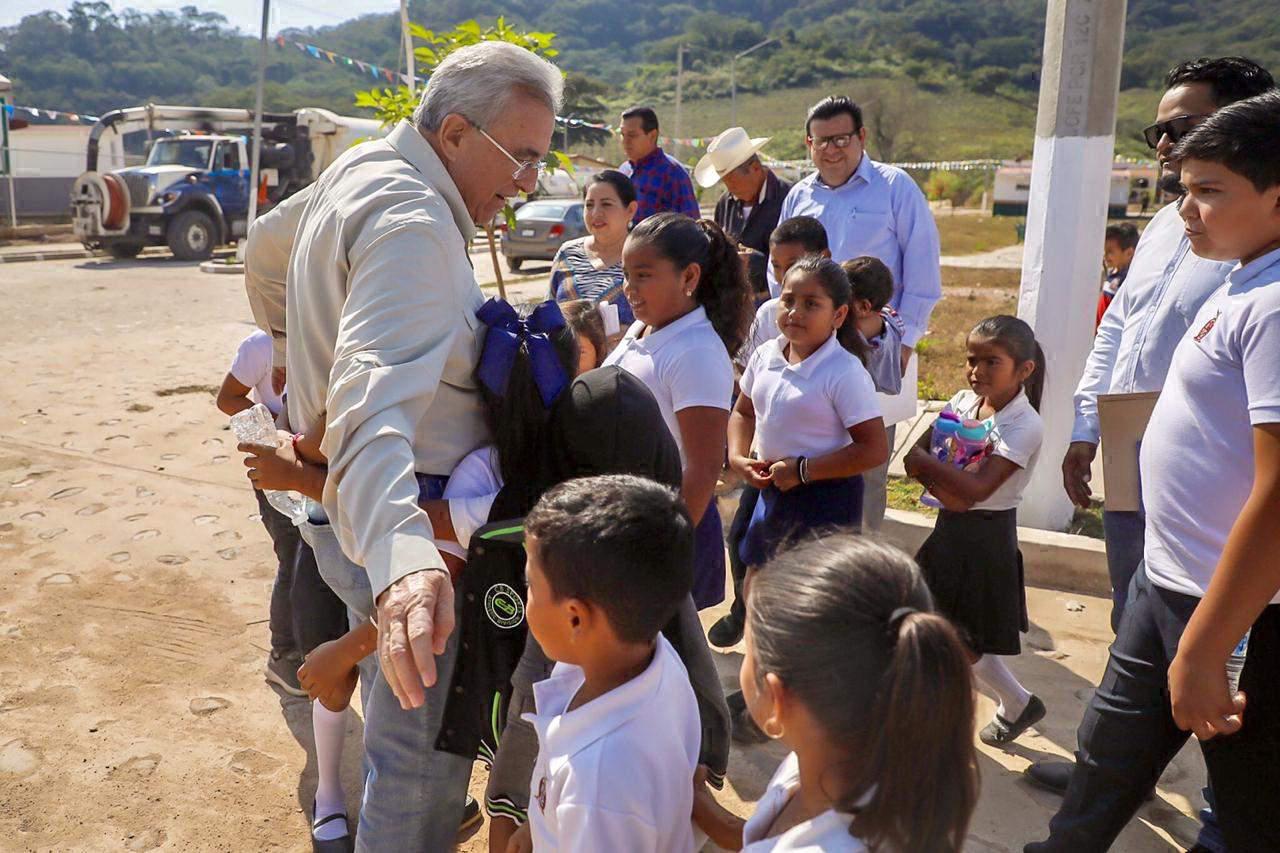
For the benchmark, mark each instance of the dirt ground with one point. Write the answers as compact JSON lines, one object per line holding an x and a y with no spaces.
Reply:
{"x":135,"y":575}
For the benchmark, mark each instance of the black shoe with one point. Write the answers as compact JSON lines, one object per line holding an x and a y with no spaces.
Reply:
{"x":745,"y":731}
{"x":725,"y":633}
{"x":470,"y":814}
{"x":1000,"y":731}
{"x":341,"y":844}
{"x":282,"y":671}
{"x":1050,"y":775}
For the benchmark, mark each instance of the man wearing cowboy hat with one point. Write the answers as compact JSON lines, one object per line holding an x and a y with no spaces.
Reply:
{"x":748,"y":211}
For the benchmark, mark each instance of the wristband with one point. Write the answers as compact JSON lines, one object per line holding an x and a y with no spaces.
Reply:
{"x":802,"y":466}
{"x":297,"y":436}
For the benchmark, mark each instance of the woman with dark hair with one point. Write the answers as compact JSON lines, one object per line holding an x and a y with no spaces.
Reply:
{"x":591,"y":267}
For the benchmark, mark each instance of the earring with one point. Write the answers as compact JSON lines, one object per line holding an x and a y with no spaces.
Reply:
{"x":768,"y":732}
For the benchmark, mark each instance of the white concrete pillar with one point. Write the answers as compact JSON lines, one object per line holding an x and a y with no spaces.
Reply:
{"x":1070,"y":184}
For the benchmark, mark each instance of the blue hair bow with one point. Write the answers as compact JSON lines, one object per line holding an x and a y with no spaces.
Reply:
{"x":507,"y":331}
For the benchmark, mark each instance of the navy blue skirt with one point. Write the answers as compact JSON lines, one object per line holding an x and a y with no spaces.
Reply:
{"x":708,"y":559}
{"x":780,"y":516}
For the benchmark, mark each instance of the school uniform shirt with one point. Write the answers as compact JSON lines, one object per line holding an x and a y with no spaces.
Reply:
{"x":1016,"y":434}
{"x":764,"y":328}
{"x":827,"y":832}
{"x":478,"y":478}
{"x":806,"y":409}
{"x":252,"y":367}
{"x":684,"y":364}
{"x":880,"y":211}
{"x":1164,"y":288}
{"x":1197,"y":455}
{"x":884,"y":353}
{"x":616,"y":773}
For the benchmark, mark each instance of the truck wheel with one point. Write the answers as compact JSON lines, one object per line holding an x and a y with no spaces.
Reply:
{"x":124,"y":251}
{"x":513,"y":264}
{"x":191,"y":236}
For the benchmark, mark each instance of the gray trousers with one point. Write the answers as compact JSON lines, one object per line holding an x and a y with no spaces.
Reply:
{"x":875,"y":485}
{"x":413,"y":793}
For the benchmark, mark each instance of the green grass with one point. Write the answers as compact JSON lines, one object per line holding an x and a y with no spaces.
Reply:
{"x":970,"y":296}
{"x":970,"y":235}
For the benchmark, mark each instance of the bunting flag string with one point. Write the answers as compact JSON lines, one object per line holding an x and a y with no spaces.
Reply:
{"x":373,"y":70}
{"x":52,"y":115}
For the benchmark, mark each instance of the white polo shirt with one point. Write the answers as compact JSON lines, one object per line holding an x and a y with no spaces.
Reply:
{"x":806,"y":409}
{"x":684,"y":364}
{"x":828,"y":832}
{"x":763,"y":328}
{"x":1016,"y":434}
{"x":1197,"y":455}
{"x":617,"y":773}
{"x":252,"y":368}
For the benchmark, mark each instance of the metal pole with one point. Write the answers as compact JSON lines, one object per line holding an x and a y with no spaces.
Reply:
{"x":679,"y":89}
{"x":8,"y":163}
{"x":408,"y":44}
{"x":255,"y":171}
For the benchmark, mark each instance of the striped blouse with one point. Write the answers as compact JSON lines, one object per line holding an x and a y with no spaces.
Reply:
{"x":575,"y":276}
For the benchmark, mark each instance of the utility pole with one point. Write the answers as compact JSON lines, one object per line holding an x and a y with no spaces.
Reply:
{"x":408,"y":45}
{"x":5,"y":160}
{"x":1066,"y":218}
{"x":733,"y":78}
{"x":255,"y":172}
{"x":679,"y":89}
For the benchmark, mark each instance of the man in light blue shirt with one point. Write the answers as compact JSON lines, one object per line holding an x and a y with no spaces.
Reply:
{"x":872,"y":209}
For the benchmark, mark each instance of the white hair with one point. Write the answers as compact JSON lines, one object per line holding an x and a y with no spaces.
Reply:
{"x":480,"y":80}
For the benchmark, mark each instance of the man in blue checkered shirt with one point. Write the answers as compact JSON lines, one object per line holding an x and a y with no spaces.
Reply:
{"x":660,"y":180}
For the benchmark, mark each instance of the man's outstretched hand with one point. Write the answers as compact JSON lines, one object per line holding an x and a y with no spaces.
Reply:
{"x":415,"y":618}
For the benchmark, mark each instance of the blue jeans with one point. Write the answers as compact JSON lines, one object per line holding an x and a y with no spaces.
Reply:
{"x":413,"y":793}
{"x":1125,"y":534}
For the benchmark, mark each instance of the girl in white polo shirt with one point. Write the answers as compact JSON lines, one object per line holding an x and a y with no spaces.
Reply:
{"x":847,"y":664}
{"x":971,"y":560}
{"x":811,"y":406}
{"x":692,"y":303}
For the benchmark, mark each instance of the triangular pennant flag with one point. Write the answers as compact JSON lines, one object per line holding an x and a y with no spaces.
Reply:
{"x":313,"y":50}
{"x":329,"y":55}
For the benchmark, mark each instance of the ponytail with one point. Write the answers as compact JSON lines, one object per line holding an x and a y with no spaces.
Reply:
{"x":846,"y":623}
{"x":1018,"y":339}
{"x":925,"y":708}
{"x":723,"y":289}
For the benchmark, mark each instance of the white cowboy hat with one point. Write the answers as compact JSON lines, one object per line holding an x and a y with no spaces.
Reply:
{"x":726,"y":152}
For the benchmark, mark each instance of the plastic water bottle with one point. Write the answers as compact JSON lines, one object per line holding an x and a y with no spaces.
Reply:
{"x":1235,"y":663}
{"x":972,"y":440}
{"x":941,"y":444}
{"x":256,"y":426}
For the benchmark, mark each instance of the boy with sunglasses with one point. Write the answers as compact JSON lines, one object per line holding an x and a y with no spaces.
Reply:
{"x":1165,"y":287}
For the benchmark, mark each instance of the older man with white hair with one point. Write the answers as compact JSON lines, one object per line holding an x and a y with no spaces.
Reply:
{"x":381,"y":345}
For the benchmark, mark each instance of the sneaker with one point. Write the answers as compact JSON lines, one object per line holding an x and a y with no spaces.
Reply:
{"x":1000,"y":731}
{"x":470,"y":814}
{"x":725,"y":633}
{"x":282,"y":671}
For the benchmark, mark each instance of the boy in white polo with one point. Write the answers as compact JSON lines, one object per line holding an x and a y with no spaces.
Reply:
{"x":1207,"y":602}
{"x":610,"y":559}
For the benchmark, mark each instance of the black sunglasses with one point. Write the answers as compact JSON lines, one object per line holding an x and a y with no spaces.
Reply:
{"x":1175,"y":128}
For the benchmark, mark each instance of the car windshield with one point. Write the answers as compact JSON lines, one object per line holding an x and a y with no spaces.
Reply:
{"x":544,"y":210}
{"x":181,"y":152}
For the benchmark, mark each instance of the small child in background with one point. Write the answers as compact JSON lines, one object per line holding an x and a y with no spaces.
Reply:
{"x":971,"y":560}
{"x":583,"y":317}
{"x":1120,"y":244}
{"x":848,"y":665}
{"x":880,"y":326}
{"x":617,"y":722}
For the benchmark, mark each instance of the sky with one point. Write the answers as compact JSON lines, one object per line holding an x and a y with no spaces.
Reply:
{"x":244,"y":14}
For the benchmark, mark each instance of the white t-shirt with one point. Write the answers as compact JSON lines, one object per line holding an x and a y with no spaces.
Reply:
{"x":827,"y":832}
{"x":252,"y":367}
{"x":806,"y":409}
{"x":684,"y":364}
{"x":763,"y":328}
{"x":471,"y":489}
{"x":1016,"y":435}
{"x":1197,"y":455}
{"x":616,"y":773}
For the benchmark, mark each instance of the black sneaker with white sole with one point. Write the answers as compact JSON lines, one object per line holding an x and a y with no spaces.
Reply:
{"x":282,"y":671}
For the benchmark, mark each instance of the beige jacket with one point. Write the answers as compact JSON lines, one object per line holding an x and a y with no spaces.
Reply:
{"x":382,"y":339}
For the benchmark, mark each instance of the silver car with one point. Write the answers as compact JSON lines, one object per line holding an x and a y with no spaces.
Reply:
{"x":540,"y":227}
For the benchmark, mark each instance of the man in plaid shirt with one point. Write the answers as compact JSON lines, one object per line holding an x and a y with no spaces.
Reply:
{"x":660,"y":180}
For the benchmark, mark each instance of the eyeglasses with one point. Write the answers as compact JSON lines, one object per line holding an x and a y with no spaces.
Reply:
{"x":523,"y":167}
{"x":840,"y":140}
{"x":1175,"y":128}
